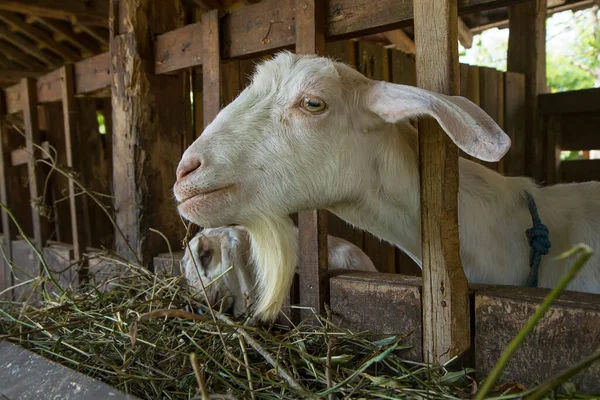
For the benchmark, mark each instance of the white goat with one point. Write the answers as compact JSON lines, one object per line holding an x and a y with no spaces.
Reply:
{"x":312,"y":133}
{"x":213,"y":251}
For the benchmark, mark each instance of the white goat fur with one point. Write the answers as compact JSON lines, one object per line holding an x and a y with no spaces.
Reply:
{"x":359,"y":159}
{"x":214,"y":250}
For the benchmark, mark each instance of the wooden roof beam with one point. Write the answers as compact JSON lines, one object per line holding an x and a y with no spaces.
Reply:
{"x":94,"y":11}
{"x":465,"y":36}
{"x":64,"y":32}
{"x":39,"y":36}
{"x":18,"y":74}
{"x":101,"y":35}
{"x":401,"y":41}
{"x":581,"y":5}
{"x":28,"y":48}
{"x":19,"y":57}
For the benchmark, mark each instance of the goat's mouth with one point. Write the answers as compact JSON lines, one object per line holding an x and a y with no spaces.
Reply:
{"x":207,"y":193}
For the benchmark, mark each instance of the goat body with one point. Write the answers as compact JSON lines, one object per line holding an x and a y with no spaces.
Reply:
{"x":313,"y":133}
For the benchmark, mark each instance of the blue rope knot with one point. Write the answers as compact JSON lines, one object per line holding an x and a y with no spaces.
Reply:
{"x":538,"y":239}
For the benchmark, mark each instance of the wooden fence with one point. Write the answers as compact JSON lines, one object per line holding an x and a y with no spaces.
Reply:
{"x":571,"y":122}
{"x":381,"y":303}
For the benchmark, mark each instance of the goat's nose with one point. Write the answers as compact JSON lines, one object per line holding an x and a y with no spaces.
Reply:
{"x":186,"y":167}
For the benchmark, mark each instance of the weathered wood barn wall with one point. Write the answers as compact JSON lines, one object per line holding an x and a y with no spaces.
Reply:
{"x":159,"y":52}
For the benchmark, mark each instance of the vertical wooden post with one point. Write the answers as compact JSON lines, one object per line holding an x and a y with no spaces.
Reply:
{"x":527,"y":55}
{"x":148,"y":127}
{"x":514,"y":123}
{"x":34,"y":173}
{"x":6,"y":279}
{"x":446,"y":330}
{"x":550,"y":125}
{"x":312,"y":225}
{"x":74,"y":154}
{"x":211,"y":66}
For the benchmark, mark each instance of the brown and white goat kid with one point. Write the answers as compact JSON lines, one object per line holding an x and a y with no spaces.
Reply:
{"x":312,"y":133}
{"x":220,"y":259}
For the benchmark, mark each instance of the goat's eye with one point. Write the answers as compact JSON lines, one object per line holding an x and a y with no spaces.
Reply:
{"x":312,"y":105}
{"x":205,"y":256}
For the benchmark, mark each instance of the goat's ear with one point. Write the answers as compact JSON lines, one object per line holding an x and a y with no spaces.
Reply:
{"x":465,"y":123}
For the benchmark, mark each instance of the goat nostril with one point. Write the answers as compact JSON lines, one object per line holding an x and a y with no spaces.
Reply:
{"x":187,"y":167}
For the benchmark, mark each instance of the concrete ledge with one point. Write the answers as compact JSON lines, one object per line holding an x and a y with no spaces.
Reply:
{"x":26,"y":375}
{"x":569,"y":332}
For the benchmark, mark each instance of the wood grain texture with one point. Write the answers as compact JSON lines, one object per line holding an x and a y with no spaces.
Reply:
{"x":270,"y":25}
{"x":514,"y":123}
{"x":35,"y":172}
{"x":8,"y":232}
{"x":552,"y":127}
{"x":380,"y":304}
{"x":93,"y":11}
{"x":91,"y":74}
{"x":446,"y":327}
{"x":491,"y":100}
{"x":527,"y":55}
{"x":579,"y":131}
{"x":569,"y":328}
{"x":74,"y":154}
{"x":576,"y":101}
{"x":313,"y":284}
{"x":148,"y":113}
{"x":211,"y":66}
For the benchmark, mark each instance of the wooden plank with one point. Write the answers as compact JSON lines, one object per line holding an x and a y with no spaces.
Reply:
{"x":579,"y":131}
{"x":514,"y":123}
{"x":312,"y":225}
{"x":553,"y":139}
{"x":446,"y":326}
{"x":34,"y":172}
{"x":22,"y":156}
{"x":24,"y":374}
{"x":579,"y":171}
{"x":95,"y":11}
{"x":74,"y":153}
{"x":381,"y":304}
{"x":565,"y":335}
{"x":148,"y":132}
{"x":270,"y":25}
{"x":527,"y":55}
{"x":491,"y":100}
{"x":403,"y":68}
{"x":8,"y":233}
{"x":211,"y":66}
{"x":575,"y":101}
{"x":179,"y":49}
{"x":91,"y":75}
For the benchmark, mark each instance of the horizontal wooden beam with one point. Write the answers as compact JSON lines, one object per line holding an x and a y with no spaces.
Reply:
{"x":576,"y":101}
{"x":465,"y":36}
{"x":503,"y":24}
{"x":91,"y":10}
{"x":21,"y":156}
{"x":91,"y":74}
{"x":270,"y":25}
{"x":579,"y":131}
{"x":18,"y":74}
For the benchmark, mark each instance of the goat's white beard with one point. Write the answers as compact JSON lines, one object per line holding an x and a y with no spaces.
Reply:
{"x":274,"y":250}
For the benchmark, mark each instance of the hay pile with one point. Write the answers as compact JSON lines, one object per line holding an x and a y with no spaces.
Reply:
{"x":127,"y":338}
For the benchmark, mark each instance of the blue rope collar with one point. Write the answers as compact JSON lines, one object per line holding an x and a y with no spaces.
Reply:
{"x":537,"y":237}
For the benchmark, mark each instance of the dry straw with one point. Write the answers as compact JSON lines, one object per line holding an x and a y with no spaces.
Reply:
{"x":146,"y":335}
